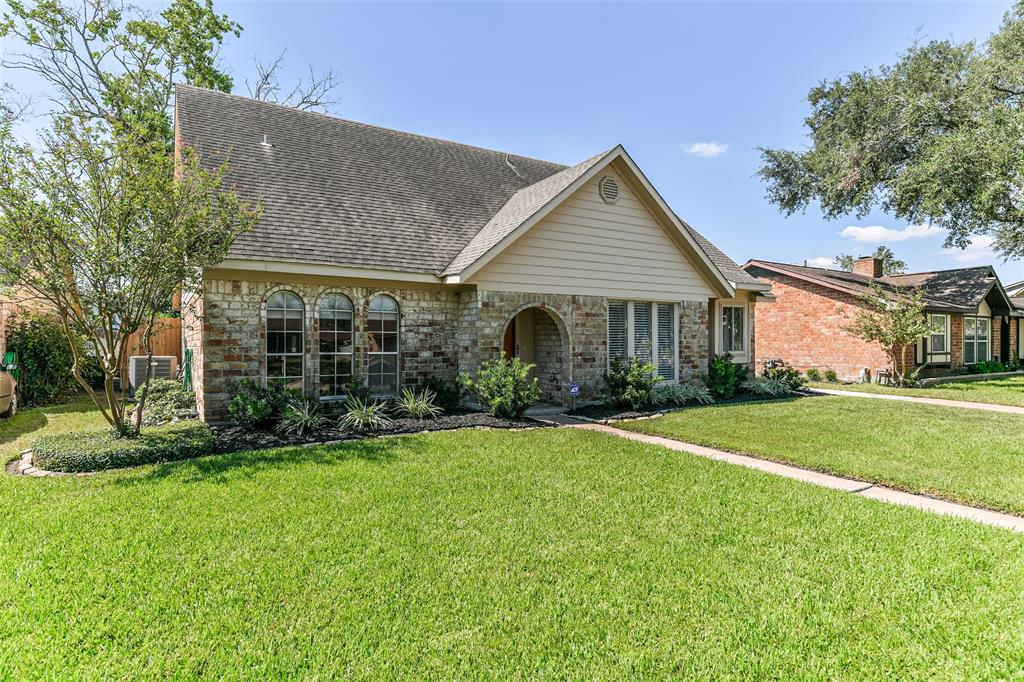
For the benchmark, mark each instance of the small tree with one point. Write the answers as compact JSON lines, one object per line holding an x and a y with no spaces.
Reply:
{"x":106,"y":229}
{"x":891,"y":265}
{"x":895,"y":320}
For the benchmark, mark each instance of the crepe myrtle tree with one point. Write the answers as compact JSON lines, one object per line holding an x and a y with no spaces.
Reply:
{"x":894,"y":319}
{"x":934,"y":138}
{"x":106,"y":228}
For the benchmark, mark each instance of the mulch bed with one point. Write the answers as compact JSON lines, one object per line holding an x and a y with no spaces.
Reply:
{"x":604,"y":413}
{"x":237,"y":438}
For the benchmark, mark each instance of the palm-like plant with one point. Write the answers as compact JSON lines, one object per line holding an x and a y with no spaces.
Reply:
{"x":420,"y":405}
{"x":362,"y":415}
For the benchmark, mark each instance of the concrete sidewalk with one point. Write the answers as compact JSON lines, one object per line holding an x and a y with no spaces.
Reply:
{"x":985,"y":407}
{"x":849,"y":485}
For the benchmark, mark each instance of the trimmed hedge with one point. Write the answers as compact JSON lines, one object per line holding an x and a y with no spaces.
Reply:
{"x":98,"y":450}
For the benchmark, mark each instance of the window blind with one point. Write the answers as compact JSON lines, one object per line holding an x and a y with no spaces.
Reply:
{"x":642,"y":331}
{"x":666,"y":344}
{"x":617,"y":329}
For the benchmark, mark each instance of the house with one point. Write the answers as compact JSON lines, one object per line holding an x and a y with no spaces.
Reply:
{"x":386,"y":257}
{"x":974,"y":318}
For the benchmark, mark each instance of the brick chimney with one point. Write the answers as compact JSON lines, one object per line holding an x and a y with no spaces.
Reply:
{"x":870,"y":266}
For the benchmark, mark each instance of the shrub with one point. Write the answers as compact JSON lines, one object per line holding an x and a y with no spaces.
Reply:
{"x":831,"y":376}
{"x":164,"y":398}
{"x":725,"y":376}
{"x":365,"y":416}
{"x":256,"y":406}
{"x":813,"y":374}
{"x":990,"y":366}
{"x":783,"y":372}
{"x":447,"y":394}
{"x":776,"y":387}
{"x":503,"y":386}
{"x":630,"y":384}
{"x":418,"y":405}
{"x":681,"y":394}
{"x":302,"y":417}
{"x":98,"y":450}
{"x":44,"y":359}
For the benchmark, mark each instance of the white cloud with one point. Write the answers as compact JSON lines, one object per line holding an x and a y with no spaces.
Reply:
{"x":879,"y":234}
{"x":819,"y":262}
{"x":705,"y":149}
{"x":979,"y":250}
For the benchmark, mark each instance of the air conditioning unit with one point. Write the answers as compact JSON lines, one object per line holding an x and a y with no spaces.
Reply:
{"x":164,"y":367}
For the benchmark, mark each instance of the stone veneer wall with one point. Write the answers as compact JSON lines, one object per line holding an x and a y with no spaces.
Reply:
{"x":442,"y":332}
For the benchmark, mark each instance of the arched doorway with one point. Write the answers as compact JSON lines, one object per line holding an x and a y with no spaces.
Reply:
{"x":536,"y":335}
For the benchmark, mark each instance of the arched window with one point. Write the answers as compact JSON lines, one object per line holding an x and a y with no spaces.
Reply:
{"x":382,"y":346}
{"x":335,"y":345}
{"x":285,"y":340}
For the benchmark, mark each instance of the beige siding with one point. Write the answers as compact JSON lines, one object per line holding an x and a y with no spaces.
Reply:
{"x":591,"y":248}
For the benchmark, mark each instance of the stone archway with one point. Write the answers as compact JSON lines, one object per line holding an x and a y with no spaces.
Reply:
{"x":535,"y":334}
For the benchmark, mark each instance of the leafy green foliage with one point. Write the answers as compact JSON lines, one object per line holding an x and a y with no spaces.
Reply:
{"x":419,"y":405}
{"x":45,"y":359}
{"x":932,"y":139}
{"x":164,"y":398}
{"x":724,"y":376}
{"x":361,"y":415}
{"x":98,"y":450}
{"x":813,"y":374}
{"x":784,"y":373}
{"x":630,"y":383}
{"x":773,"y":386}
{"x":891,"y":265}
{"x":447,"y":394}
{"x":257,"y":406}
{"x":681,"y":394}
{"x":986,"y":367}
{"x":302,"y":417}
{"x":831,"y":376}
{"x":503,"y":386}
{"x":894,"y":319}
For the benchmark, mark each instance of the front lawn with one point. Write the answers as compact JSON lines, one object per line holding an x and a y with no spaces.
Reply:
{"x":1005,"y":391}
{"x":552,"y":553}
{"x":960,"y":455}
{"x":18,"y":433}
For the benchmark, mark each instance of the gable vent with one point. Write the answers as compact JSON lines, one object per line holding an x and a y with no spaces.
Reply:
{"x":608,"y":189}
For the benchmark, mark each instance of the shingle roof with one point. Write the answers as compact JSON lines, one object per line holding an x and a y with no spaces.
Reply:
{"x":957,"y":289}
{"x":339,"y":192}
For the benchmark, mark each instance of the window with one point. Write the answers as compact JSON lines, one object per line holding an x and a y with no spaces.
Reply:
{"x":937,"y":339}
{"x":335,"y":345}
{"x":976,"y":339}
{"x":646,"y":331}
{"x":285,"y":341}
{"x":382,"y":346}
{"x":733,"y":330}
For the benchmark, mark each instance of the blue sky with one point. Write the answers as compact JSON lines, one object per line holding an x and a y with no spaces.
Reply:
{"x":690,"y":89}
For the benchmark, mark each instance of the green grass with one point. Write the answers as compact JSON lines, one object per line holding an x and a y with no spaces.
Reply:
{"x":956,"y":454}
{"x":1007,"y":391}
{"x":18,"y":432}
{"x":485,"y":554}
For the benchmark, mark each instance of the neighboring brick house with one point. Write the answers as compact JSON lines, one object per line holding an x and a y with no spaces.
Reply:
{"x":388,"y":257}
{"x":974,"y":318}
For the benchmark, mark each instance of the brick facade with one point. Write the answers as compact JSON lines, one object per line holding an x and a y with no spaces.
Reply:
{"x":442,"y":331}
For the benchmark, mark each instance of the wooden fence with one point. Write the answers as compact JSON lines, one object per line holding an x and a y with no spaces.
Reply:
{"x":165,"y":340}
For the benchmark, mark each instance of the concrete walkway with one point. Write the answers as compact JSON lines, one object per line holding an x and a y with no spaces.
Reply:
{"x":985,"y":407}
{"x":849,"y":485}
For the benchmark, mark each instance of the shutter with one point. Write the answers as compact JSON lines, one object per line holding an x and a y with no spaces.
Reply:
{"x":666,"y":341}
{"x":642,"y":331}
{"x":617,"y":329}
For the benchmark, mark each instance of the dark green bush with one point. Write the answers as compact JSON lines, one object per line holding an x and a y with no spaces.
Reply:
{"x":256,"y":406}
{"x":164,"y":397}
{"x":629,"y":384}
{"x":789,"y":376}
{"x":98,"y":450}
{"x":813,"y":374}
{"x":44,"y":359}
{"x":504,"y":387}
{"x":831,"y":376}
{"x":989,"y":367}
{"x":447,"y":394}
{"x":725,"y":377}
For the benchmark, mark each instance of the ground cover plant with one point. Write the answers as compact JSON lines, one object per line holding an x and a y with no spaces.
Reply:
{"x":961,"y":455}
{"x":545,"y":554}
{"x":1000,"y":391}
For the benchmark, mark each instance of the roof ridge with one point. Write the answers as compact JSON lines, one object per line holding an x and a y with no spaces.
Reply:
{"x":350,"y":121}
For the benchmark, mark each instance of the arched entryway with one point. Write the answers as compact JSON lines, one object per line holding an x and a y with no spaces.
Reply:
{"x":536,"y":335}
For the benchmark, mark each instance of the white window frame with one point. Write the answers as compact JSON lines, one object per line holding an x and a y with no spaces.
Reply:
{"x":284,"y":354}
{"x":720,"y":306}
{"x":631,"y":334}
{"x":930,"y":355}
{"x":974,"y":340}
{"x":397,"y":353}
{"x":320,"y":355}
